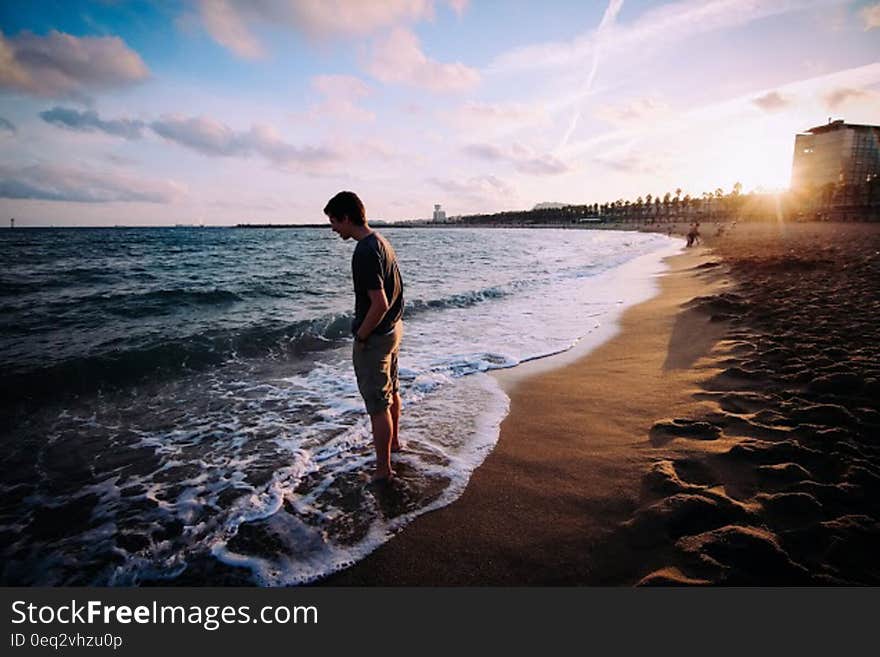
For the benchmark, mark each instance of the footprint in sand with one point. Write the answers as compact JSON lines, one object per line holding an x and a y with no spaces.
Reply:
{"x":665,"y":430}
{"x":683,"y":514}
{"x":665,"y":477}
{"x":745,"y":555}
{"x":782,"y":474}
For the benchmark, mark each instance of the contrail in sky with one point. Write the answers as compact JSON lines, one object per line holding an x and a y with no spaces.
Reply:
{"x":607,"y":21}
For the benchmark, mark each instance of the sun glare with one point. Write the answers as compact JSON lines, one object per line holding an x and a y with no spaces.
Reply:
{"x":756,"y":165}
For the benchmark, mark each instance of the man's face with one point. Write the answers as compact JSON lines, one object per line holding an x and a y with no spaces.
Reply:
{"x":341,"y":227}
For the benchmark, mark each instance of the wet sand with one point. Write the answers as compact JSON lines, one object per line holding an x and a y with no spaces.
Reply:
{"x":779,"y":483}
{"x":729,"y":434}
{"x":567,"y":465}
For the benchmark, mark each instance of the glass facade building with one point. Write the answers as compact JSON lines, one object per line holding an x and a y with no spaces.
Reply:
{"x":838,"y":153}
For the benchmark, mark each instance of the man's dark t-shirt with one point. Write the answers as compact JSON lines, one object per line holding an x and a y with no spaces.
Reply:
{"x":374,"y":267}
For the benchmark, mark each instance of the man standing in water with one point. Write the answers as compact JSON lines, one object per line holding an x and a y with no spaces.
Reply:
{"x":377,"y":324}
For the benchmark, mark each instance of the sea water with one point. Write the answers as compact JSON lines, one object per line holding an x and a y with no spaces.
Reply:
{"x":179,"y":404}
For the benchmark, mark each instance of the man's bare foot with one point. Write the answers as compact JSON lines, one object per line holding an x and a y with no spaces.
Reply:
{"x":398,"y":446}
{"x":382,"y":476}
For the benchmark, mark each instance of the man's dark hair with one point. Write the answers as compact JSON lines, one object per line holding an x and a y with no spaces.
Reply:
{"x":346,"y":204}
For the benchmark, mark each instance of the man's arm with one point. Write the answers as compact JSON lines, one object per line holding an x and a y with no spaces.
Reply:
{"x":378,"y":307}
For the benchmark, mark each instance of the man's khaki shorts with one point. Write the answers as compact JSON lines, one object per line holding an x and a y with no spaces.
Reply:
{"x":375,"y":366}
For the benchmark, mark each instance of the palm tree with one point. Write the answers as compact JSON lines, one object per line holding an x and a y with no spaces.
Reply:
{"x":707,"y":203}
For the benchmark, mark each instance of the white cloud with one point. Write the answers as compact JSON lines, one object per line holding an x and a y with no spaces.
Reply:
{"x":485,"y":152}
{"x":523,"y":159}
{"x":497,"y":122}
{"x":772,"y":101}
{"x":89,"y":121}
{"x":61,"y":65}
{"x":121,"y":160}
{"x":215,"y":139}
{"x":667,"y":23}
{"x":717,"y":144}
{"x":232,"y":22}
{"x":202,"y":134}
{"x":637,"y":110}
{"x":543,"y":165}
{"x":56,"y":183}
{"x":481,"y":115}
{"x":840,"y":96}
{"x":323,"y":17}
{"x":341,"y":86}
{"x":341,"y":95}
{"x":609,"y":17}
{"x":479,"y":189}
{"x":871,"y":16}
{"x":225,"y":23}
{"x":399,"y":59}
{"x":629,"y":161}
{"x":813,"y":94}
{"x":374,"y":149}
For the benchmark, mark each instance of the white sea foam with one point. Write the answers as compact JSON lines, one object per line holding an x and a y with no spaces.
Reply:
{"x":259,"y":463}
{"x":439,"y":390}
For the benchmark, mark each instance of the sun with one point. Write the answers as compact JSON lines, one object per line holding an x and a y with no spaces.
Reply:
{"x":756,"y":164}
{"x":756,"y":161}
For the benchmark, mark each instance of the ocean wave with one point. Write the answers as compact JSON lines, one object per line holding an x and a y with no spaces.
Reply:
{"x":98,"y":312}
{"x":459,"y":300}
{"x":40,"y":279}
{"x":166,"y":352}
{"x":128,"y":361}
{"x":162,"y":302}
{"x":171,"y":296}
{"x":125,"y":364}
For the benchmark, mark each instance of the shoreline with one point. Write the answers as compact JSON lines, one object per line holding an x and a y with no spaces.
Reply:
{"x":727,"y":435}
{"x":530,"y":515}
{"x":646,"y":280}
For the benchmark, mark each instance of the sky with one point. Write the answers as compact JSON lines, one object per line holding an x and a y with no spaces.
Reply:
{"x":220,"y":112}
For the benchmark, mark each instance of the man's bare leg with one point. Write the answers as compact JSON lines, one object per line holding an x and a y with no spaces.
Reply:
{"x":395,"y":422}
{"x":382,"y":431}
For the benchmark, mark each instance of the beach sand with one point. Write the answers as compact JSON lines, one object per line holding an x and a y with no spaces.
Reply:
{"x":729,"y":434}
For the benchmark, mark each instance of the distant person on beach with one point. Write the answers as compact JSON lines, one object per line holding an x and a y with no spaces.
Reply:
{"x":693,"y":236}
{"x":377,"y":326}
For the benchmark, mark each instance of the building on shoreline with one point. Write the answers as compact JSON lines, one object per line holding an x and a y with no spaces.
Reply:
{"x":439,"y":214}
{"x":837,"y":153}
